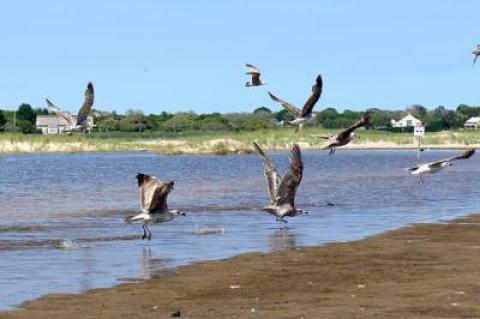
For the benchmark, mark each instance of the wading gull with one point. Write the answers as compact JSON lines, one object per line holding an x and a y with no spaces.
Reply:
{"x":306,"y":114}
{"x":282,"y":189}
{"x":153,"y":203}
{"x":434,"y":167}
{"x":81,"y":124}
{"x":346,"y":136}
{"x":255,"y":73}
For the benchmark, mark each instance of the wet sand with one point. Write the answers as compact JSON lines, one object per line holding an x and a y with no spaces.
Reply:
{"x":423,"y":271}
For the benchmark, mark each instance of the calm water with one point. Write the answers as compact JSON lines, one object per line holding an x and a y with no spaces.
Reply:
{"x":61,"y":216}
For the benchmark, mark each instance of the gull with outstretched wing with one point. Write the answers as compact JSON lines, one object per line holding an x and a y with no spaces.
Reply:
{"x":153,"y":203}
{"x":345,"y":136}
{"x":81,"y":123}
{"x":282,"y":190}
{"x":476,"y":53}
{"x":254,"y":72}
{"x":434,"y":167}
{"x":306,"y":114}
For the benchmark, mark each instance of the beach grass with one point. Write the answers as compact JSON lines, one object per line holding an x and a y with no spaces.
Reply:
{"x":223,"y":143}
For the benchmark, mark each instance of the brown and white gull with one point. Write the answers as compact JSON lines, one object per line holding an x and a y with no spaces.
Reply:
{"x":282,"y":190}
{"x":153,"y":203}
{"x":345,"y":136}
{"x":434,"y":167}
{"x":81,"y":123}
{"x":476,"y":53}
{"x":306,"y":114}
{"x":254,"y":72}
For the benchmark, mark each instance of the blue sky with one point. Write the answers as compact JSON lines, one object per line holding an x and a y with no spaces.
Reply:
{"x":190,"y":55}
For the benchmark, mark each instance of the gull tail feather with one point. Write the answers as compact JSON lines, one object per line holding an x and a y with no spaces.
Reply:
{"x":131,"y":219}
{"x":325,"y":137}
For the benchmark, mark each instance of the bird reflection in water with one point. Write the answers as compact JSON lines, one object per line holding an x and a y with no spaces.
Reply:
{"x":282,"y":239}
{"x":153,"y":267}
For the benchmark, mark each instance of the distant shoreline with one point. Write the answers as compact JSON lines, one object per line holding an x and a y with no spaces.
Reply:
{"x":224,"y":149}
{"x":225,"y":143}
{"x":415,"y":271}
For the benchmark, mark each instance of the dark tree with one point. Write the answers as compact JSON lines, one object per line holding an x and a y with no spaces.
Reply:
{"x":3,"y":120}
{"x":419,"y":111}
{"x":262,"y":109}
{"x":284,"y":115}
{"x":40,"y":111}
{"x":26,"y":113}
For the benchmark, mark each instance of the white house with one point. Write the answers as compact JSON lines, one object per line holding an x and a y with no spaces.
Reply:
{"x":473,"y":122}
{"x":54,"y":124}
{"x":408,"y":120}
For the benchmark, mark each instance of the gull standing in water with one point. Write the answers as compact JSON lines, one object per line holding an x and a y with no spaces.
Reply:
{"x":255,"y":73}
{"x":434,"y":167}
{"x":153,"y":202}
{"x":282,"y":189}
{"x":306,"y":114}
{"x":81,"y":124}
{"x":476,"y":53}
{"x":346,"y":136}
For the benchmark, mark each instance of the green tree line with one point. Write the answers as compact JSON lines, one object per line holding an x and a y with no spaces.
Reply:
{"x":440,"y":118}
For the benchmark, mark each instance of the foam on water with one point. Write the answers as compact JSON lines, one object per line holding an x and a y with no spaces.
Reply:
{"x":209,"y":230}
{"x":67,"y":244}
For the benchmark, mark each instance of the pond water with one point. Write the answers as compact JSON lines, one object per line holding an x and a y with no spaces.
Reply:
{"x":62,"y":216}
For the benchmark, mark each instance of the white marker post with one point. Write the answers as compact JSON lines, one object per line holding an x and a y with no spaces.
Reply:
{"x":419,"y":132}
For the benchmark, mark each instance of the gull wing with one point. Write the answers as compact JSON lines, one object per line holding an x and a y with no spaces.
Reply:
{"x":413,"y":167}
{"x":252,"y":69}
{"x":314,"y":97}
{"x":64,"y":114}
{"x":362,"y":122}
{"x":291,"y":179}
{"x":86,"y":106}
{"x":271,"y":174}
{"x":289,"y":107}
{"x":467,"y":154}
{"x":153,"y":196}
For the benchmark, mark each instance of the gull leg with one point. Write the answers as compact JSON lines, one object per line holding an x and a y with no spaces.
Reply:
{"x":281,"y":220}
{"x":149,"y":234}
{"x":144,"y":232}
{"x":420,"y":180}
{"x":332,"y":151}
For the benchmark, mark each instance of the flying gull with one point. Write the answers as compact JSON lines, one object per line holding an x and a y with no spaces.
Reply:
{"x":305,"y":114}
{"x":346,"y":136}
{"x":255,"y":73}
{"x":153,"y":203}
{"x":81,"y":123}
{"x":282,"y":189}
{"x":476,"y":53}
{"x":434,"y":167}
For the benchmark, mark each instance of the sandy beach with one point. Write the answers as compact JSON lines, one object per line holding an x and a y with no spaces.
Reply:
{"x":421,"y":271}
{"x":215,"y":146}
{"x":231,"y":142}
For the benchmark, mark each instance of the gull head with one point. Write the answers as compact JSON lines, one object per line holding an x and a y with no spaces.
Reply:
{"x":177,"y":212}
{"x":301,"y":211}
